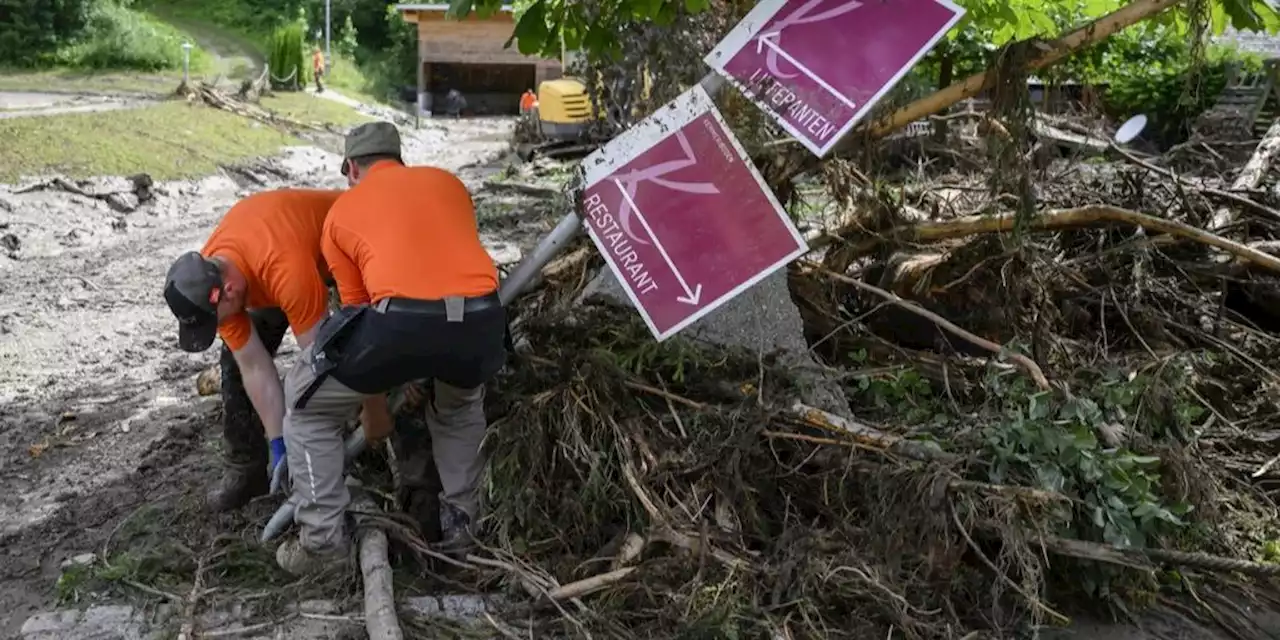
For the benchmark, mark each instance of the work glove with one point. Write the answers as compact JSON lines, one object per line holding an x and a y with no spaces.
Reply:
{"x":279,"y":465}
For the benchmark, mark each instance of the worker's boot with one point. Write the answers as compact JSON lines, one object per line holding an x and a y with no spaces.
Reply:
{"x":245,"y":475}
{"x":419,"y":494}
{"x":240,"y":484}
{"x":455,"y":528}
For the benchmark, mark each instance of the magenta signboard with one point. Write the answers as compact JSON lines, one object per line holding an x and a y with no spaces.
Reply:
{"x":681,"y":215}
{"x":818,"y":66}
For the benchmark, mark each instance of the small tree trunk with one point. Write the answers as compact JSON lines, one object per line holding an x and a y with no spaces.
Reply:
{"x":946,"y":71}
{"x":1090,"y":34}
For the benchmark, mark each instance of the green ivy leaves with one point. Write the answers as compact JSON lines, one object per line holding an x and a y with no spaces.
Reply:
{"x":541,"y":24}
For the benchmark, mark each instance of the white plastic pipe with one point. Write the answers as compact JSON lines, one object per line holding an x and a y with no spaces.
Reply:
{"x":284,"y":515}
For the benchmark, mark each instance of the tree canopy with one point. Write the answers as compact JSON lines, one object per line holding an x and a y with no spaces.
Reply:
{"x":593,"y":27}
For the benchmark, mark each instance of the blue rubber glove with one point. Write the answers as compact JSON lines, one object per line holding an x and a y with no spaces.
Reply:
{"x":277,"y":452}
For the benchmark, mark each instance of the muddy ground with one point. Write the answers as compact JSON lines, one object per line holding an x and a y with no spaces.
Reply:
{"x":100,"y":415}
{"x":21,"y":104}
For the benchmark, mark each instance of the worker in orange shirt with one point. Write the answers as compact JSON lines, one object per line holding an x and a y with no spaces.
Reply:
{"x":317,"y":67}
{"x":260,"y":273}
{"x":420,"y":301}
{"x":528,"y":101}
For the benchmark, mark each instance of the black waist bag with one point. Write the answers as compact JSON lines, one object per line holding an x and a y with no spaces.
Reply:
{"x":327,"y":350}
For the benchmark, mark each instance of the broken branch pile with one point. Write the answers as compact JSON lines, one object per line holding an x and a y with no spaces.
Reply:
{"x":1056,"y":409}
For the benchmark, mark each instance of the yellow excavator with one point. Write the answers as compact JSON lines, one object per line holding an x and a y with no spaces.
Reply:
{"x":559,"y":125}
{"x":563,"y":110}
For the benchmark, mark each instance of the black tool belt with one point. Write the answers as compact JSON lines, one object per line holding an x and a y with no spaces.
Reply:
{"x":454,"y":309}
{"x":326,"y":350}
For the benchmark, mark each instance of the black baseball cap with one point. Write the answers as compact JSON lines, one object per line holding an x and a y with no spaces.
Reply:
{"x":188,"y":289}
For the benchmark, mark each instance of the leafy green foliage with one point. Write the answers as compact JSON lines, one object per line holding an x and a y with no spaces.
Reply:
{"x":30,"y":30}
{"x":287,"y":53}
{"x":593,"y":27}
{"x":1055,"y":445}
{"x":347,"y":38}
{"x":120,"y":38}
{"x":1170,"y":90}
{"x":1093,"y":447}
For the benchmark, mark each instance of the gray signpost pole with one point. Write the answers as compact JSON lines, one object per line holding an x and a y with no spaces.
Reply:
{"x":186,"y":63}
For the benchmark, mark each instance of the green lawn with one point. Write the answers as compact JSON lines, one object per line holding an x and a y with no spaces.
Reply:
{"x":309,"y":108}
{"x":169,"y":140}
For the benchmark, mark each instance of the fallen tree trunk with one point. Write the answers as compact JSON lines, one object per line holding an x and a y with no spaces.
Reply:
{"x":380,"y":618}
{"x":1063,"y":219}
{"x":1251,"y":175}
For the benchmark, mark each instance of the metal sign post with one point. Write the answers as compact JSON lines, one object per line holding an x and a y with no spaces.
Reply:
{"x":186,"y":62}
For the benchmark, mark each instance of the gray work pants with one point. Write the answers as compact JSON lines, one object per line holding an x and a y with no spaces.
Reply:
{"x":314,"y":438}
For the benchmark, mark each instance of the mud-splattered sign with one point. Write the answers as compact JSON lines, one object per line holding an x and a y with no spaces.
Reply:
{"x":818,"y":66}
{"x":682,"y":217}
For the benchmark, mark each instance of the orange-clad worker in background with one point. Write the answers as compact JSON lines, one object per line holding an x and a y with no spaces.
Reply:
{"x":317,"y":67}
{"x":528,"y":101}
{"x":260,"y":273}
{"x":420,"y":300}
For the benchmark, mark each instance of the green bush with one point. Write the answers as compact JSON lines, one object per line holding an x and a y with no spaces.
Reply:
{"x":117,"y":37}
{"x":1170,"y":91}
{"x":287,"y":53}
{"x":31,"y":30}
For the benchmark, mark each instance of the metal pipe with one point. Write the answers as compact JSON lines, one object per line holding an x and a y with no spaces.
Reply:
{"x":279,"y":521}
{"x":553,"y":243}
{"x":548,"y":248}
{"x":328,"y":51}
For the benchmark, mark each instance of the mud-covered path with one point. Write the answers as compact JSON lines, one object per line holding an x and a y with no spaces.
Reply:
{"x":91,"y":378}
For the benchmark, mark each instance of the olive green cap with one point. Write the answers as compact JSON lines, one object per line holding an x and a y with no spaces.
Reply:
{"x":372,"y":138}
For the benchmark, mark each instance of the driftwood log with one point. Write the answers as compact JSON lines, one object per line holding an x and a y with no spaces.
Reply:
{"x":380,"y":620}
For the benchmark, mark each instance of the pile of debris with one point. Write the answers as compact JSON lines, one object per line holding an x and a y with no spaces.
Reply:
{"x":1051,"y":411}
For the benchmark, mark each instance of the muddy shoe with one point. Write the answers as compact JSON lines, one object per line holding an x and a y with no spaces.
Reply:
{"x":297,"y":560}
{"x":237,"y":487}
{"x":455,"y":527}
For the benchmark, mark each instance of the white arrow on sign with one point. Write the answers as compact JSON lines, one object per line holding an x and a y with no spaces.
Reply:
{"x":770,"y":40}
{"x":691,"y":296}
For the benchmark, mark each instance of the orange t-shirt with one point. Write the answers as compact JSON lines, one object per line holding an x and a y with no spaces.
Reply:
{"x":406,"y":232}
{"x":317,"y":61}
{"x":273,"y":238}
{"x":527,"y":100}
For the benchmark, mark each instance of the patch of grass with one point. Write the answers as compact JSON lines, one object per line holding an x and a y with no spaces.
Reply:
{"x":234,"y":55}
{"x":309,"y":108}
{"x":170,"y":140}
{"x":347,"y":78}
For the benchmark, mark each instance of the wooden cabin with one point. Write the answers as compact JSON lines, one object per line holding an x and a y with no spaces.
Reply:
{"x":468,"y":55}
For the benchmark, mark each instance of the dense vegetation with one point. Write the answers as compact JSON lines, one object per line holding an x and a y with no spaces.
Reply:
{"x":373,"y":48}
{"x":90,"y":34}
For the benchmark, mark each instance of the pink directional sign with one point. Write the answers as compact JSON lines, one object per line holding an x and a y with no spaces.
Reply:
{"x":682,"y":217}
{"x":818,"y":66}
